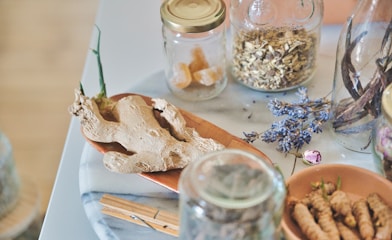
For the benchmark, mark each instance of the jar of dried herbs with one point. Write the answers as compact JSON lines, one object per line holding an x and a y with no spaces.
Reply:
{"x":363,"y":69}
{"x":9,"y":179}
{"x":231,"y":195}
{"x":382,"y":144}
{"x":194,"y":43}
{"x":275,"y":42}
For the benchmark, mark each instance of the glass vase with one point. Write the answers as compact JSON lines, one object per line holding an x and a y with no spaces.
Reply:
{"x":362,"y":71}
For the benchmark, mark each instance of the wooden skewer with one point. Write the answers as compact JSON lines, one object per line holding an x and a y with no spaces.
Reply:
{"x":143,"y":215}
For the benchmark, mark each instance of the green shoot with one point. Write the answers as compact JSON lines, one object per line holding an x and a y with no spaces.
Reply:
{"x":324,"y":192}
{"x":96,"y":51}
{"x":81,"y":88}
{"x":339,"y":183}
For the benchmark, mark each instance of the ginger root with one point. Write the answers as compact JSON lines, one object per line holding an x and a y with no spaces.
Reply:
{"x":136,"y":128}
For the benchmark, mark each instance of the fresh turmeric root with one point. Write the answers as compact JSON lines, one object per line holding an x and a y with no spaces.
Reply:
{"x":328,"y":211}
{"x":364,"y":221}
{"x":341,"y":204}
{"x":307,"y":223}
{"x":324,"y":188}
{"x":324,"y":215}
{"x":346,"y":233}
{"x":382,"y":215}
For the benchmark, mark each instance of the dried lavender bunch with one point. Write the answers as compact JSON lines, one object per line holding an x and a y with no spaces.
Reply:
{"x":303,"y":118}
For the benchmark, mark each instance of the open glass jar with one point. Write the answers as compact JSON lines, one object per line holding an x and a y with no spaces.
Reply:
{"x":231,"y":195}
{"x":194,"y":44}
{"x":275,"y":42}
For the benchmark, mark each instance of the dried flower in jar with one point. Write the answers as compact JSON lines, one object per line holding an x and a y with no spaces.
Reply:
{"x":383,"y":147}
{"x":274,"y":59}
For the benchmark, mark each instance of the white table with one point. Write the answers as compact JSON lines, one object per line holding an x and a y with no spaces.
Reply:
{"x":131,"y":51}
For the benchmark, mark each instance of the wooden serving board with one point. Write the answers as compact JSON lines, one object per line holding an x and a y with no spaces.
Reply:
{"x":169,"y":179}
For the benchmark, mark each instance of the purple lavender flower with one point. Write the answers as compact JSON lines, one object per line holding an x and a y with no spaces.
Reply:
{"x":316,"y":126}
{"x":251,"y":137}
{"x":302,"y":93}
{"x":277,"y":107}
{"x":298,"y":113}
{"x":302,"y":119}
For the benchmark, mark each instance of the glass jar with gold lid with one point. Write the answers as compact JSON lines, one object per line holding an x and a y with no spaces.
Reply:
{"x":194,"y":45}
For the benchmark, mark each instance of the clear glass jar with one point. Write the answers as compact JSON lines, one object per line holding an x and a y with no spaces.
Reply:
{"x":194,"y":45}
{"x":231,"y":195}
{"x":382,"y":135}
{"x":9,"y":179}
{"x":364,"y":56}
{"x":275,"y":42}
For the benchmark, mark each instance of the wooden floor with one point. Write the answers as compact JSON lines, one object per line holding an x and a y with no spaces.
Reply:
{"x":43,"y":46}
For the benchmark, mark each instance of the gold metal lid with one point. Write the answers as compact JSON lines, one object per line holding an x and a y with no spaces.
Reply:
{"x":386,"y":103}
{"x":193,"y":16}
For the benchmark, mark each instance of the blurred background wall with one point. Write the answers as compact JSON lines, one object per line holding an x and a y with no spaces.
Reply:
{"x":43,"y":46}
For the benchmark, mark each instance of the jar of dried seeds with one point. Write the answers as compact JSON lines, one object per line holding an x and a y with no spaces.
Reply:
{"x":194,"y":44}
{"x":275,"y":42}
{"x":231,"y":195}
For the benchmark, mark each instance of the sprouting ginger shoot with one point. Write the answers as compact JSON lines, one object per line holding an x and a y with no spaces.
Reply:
{"x":323,"y":188}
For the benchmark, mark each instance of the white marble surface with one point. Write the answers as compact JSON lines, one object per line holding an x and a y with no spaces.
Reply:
{"x":133,"y":62}
{"x":237,"y":109}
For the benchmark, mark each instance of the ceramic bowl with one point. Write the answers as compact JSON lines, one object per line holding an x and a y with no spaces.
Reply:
{"x":356,"y":182}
